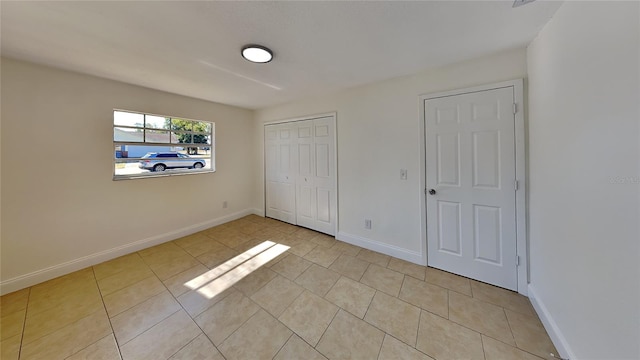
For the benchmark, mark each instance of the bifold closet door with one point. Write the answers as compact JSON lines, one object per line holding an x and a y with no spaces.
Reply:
{"x":324,"y":179}
{"x":305,"y":184}
{"x":300,"y":173}
{"x":280,"y":175}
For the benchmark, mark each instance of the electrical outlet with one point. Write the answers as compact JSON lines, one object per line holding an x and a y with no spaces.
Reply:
{"x":225,"y":204}
{"x":367,"y":224}
{"x":403,"y":174}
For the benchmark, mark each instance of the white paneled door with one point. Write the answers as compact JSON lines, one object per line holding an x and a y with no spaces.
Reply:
{"x":280,"y":175}
{"x":300,"y":173}
{"x":324,"y":166}
{"x":471,"y":185}
{"x":305,"y":182}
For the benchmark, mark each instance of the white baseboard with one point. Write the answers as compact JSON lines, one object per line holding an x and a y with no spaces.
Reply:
{"x":38,"y":276}
{"x":387,"y":249}
{"x":550,"y":325}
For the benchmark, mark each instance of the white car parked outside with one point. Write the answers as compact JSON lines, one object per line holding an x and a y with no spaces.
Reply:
{"x":169,"y":160}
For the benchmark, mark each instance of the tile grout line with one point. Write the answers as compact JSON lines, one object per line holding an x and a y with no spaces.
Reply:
{"x":104,"y":306}
{"x":149,"y":266}
{"x":263,"y":285}
{"x":448,"y":305}
{"x":386,"y":333}
{"x":325,"y":330}
{"x":293,"y":333}
{"x":483,"y":351}
{"x":134,"y":305}
{"x":479,"y":332}
{"x":514,"y":338}
{"x":404,"y":277}
{"x":194,"y":339}
{"x":145,"y":330}
{"x":102,"y":294}
{"x":52,"y":331}
{"x":381,"y":344}
{"x":331,"y":288}
{"x":471,"y":288}
{"x":194,"y":321}
{"x":166,"y":317}
{"x":415,"y":346}
{"x":418,"y":333}
{"x":241,"y":325}
{"x":475,"y":331}
{"x":131,"y":307}
{"x":369,"y":306}
{"x":24,"y":324}
{"x":509,"y":325}
{"x":364,"y":272}
{"x":404,"y":343}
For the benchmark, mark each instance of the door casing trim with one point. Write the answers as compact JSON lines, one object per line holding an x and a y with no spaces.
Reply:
{"x":522,"y":244}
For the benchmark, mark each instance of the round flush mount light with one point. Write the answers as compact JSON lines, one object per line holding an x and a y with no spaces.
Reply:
{"x":257,"y":53}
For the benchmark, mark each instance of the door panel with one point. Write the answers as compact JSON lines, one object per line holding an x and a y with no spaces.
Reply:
{"x":305,"y":202}
{"x":287,"y":202}
{"x":447,"y":114}
{"x":449,"y":227}
{"x":487,"y":234}
{"x":284,"y":165}
{"x":324,"y":206}
{"x":470,"y":155}
{"x":305,"y":159}
{"x":322,"y":129}
{"x":322,"y":161}
{"x":285,"y":130}
{"x":304,"y":129}
{"x":272,"y":199}
{"x":448,"y":159}
{"x":486,"y":159}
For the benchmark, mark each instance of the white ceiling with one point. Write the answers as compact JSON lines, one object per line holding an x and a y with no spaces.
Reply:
{"x":193,"y":47}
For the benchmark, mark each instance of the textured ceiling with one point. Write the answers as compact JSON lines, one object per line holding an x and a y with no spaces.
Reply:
{"x":193,"y":47}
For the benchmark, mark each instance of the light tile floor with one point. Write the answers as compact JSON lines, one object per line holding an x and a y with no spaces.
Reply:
{"x":257,"y":288}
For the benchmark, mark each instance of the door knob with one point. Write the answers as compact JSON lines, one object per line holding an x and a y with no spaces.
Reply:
{"x":432,"y":191}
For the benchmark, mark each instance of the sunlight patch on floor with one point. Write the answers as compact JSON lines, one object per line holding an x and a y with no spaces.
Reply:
{"x":222,"y":277}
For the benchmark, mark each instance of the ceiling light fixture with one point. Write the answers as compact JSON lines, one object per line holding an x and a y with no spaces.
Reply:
{"x":257,"y":53}
{"x":518,"y":3}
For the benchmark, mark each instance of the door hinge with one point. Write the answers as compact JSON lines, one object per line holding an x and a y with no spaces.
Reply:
{"x":517,"y":260}
{"x":425,"y":191}
{"x":515,"y":185}
{"x":515,"y":108}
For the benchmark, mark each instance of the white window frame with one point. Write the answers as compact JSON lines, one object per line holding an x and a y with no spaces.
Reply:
{"x":172,"y":172}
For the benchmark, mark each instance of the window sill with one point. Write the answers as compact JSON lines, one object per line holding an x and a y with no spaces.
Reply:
{"x":167,"y":173}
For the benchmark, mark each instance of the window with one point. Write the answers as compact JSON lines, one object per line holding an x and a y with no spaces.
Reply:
{"x":147,"y":145}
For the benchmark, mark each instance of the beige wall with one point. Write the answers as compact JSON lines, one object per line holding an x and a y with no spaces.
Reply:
{"x":61,"y":210}
{"x":378,"y":130}
{"x":584,"y":178}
